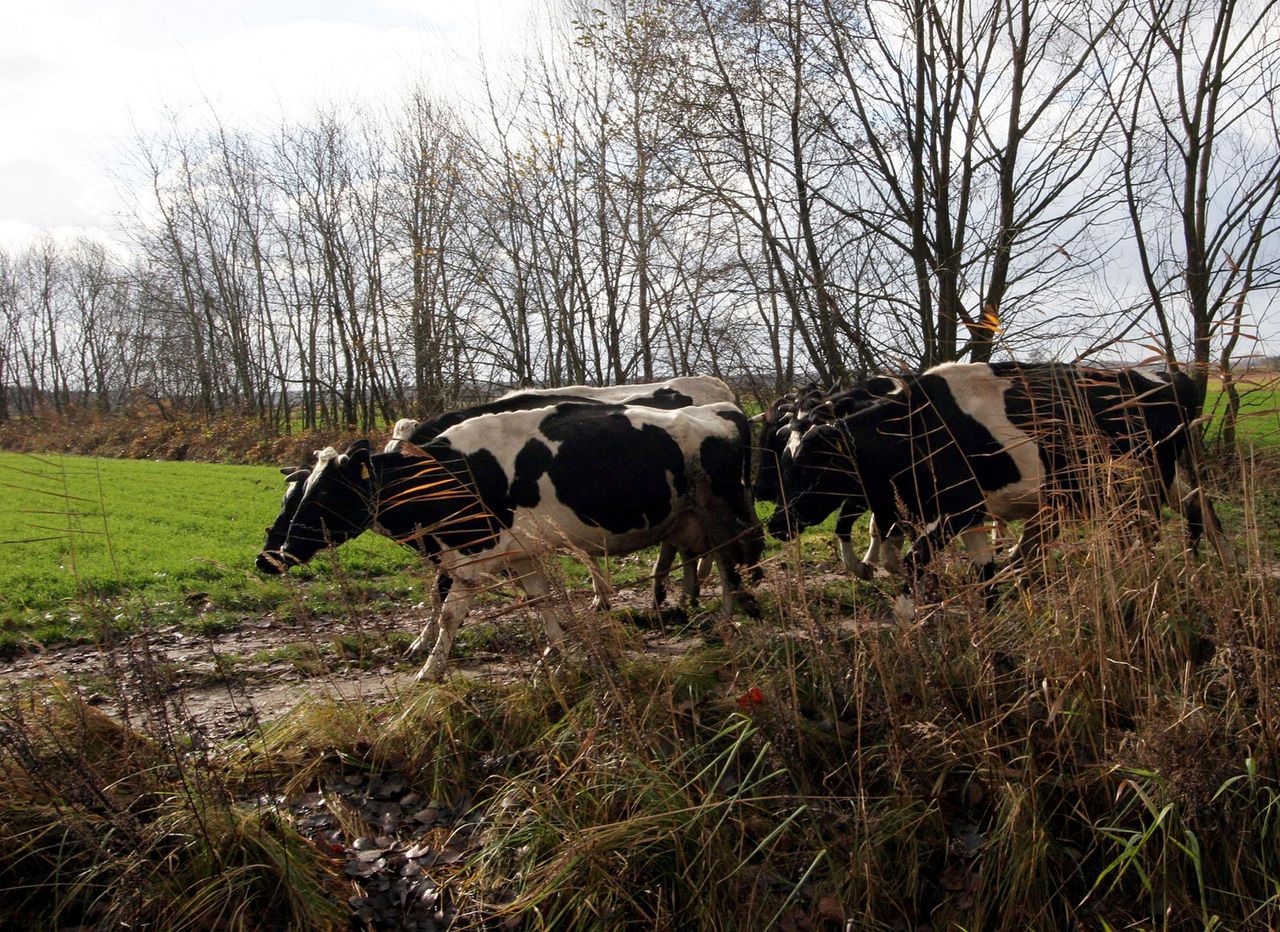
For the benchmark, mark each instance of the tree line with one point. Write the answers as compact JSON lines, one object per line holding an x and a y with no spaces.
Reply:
{"x":764,"y":190}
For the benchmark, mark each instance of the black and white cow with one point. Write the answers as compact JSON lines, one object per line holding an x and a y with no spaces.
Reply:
{"x":960,"y":442}
{"x":783,"y":424}
{"x":680,"y":392}
{"x":490,"y":493}
{"x":672,"y":393}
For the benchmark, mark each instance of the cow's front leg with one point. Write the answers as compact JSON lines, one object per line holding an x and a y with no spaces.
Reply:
{"x":599,"y":585}
{"x":885,"y":550}
{"x":429,"y":633}
{"x":845,"y":521}
{"x":916,"y":565}
{"x":661,"y":573}
{"x":977,"y":543}
{"x":694,"y":569}
{"x":455,"y":608}
{"x":730,"y":581}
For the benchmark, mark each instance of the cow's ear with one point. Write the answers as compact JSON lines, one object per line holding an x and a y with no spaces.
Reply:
{"x":357,"y":457}
{"x":883,"y":385}
{"x":295,"y":475}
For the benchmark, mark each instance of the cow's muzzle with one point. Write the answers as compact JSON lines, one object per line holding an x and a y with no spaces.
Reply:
{"x":781,"y":526}
{"x":276,"y":562}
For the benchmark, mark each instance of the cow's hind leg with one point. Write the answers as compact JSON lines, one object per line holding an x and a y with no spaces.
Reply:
{"x":536,"y":587}
{"x":662,"y":572}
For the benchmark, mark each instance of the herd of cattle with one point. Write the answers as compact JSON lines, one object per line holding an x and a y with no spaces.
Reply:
{"x":608,"y":471}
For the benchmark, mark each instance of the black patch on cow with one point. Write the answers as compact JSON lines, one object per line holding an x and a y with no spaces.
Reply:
{"x":665,"y":398}
{"x":533,"y":460}
{"x":739,"y":420}
{"x":721,"y":460}
{"x":958,"y":445}
{"x":609,"y":473}
{"x":463,"y":505}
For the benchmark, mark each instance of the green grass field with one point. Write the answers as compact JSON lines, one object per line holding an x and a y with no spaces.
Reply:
{"x":79,"y":534}
{"x":1259,"y":421}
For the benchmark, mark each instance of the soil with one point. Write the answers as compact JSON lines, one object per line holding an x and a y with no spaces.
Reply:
{"x":227,"y":685}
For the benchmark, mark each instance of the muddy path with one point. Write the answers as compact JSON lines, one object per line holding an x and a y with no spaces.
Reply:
{"x":228,"y":684}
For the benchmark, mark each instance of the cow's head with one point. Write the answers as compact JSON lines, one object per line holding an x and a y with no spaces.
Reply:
{"x":775,"y":430}
{"x":819,"y":473}
{"x":788,"y":418}
{"x":270,"y":560}
{"x":400,"y":433}
{"x":336,"y":505}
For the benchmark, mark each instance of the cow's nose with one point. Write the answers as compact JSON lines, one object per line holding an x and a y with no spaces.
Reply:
{"x":272,"y":562}
{"x":779,"y":526}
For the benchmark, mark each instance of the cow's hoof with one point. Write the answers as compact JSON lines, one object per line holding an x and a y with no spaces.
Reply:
{"x":430,"y":673}
{"x":904,"y":608}
{"x":420,"y":643}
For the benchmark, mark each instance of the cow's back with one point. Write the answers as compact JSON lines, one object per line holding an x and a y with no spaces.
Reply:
{"x":604,"y":478}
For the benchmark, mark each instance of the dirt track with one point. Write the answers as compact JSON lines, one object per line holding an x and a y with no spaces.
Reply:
{"x":226,"y":685}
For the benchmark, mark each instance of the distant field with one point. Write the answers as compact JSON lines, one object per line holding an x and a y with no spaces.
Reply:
{"x":1259,"y":410}
{"x":80,"y":530}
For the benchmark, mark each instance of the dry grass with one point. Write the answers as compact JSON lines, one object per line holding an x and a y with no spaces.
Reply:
{"x":1100,"y":751}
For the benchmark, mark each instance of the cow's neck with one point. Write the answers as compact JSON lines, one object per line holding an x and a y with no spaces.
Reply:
{"x":414,"y":495}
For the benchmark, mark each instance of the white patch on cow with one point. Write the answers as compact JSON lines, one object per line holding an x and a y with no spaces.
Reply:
{"x":979,"y":393}
{"x":793,"y":443}
{"x":323,"y":458}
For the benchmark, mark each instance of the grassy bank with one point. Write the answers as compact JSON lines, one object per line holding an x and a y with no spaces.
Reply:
{"x":1100,"y":752}
{"x":88,"y":543}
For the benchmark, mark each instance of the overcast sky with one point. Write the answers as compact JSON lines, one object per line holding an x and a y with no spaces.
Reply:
{"x":78,"y":78}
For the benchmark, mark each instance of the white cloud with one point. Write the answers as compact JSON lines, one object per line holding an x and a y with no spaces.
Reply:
{"x":78,"y":79}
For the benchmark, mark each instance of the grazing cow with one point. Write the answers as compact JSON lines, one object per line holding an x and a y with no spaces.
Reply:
{"x":959,"y":442}
{"x":784,"y":422}
{"x":490,"y":492}
{"x":672,"y":393}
